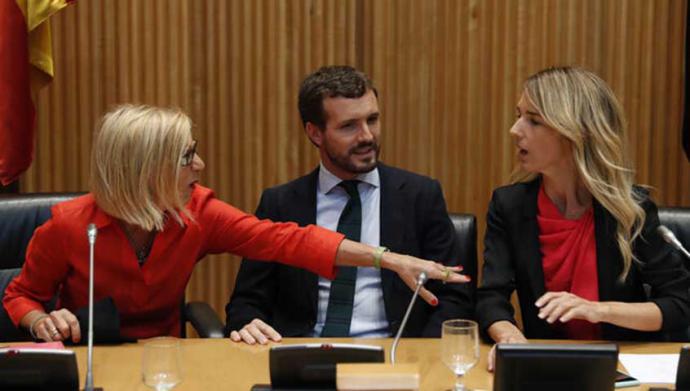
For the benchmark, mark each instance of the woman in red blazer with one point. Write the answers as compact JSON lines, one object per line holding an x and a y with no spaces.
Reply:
{"x":573,"y":235}
{"x":154,"y":223}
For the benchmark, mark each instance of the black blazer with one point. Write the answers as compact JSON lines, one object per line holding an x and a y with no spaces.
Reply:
{"x":512,"y":260}
{"x":414,"y":221}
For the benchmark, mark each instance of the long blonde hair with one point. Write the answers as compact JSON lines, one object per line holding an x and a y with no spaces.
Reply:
{"x":135,"y":164}
{"x":580,"y":106}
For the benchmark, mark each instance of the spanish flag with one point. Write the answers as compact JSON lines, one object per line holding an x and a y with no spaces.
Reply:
{"x":26,"y":65}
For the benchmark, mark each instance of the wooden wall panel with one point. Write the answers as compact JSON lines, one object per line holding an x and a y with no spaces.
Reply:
{"x":449,"y":73}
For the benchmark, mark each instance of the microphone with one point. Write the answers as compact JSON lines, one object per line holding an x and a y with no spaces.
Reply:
{"x":671,"y":239}
{"x":420,"y":282}
{"x":91,"y":233}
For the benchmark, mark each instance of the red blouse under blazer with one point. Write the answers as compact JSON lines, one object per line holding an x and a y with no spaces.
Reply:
{"x":148,"y":297}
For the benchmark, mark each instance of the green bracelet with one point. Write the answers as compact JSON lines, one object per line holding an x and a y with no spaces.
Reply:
{"x":378,"y":254}
{"x":33,"y":323}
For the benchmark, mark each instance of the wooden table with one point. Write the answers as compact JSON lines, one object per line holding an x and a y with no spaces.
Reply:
{"x":221,"y":364}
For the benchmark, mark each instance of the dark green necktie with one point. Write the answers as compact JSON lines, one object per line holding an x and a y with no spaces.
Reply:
{"x":339,"y":312}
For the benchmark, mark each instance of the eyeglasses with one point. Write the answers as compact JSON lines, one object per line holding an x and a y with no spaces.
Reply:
{"x":188,"y":156}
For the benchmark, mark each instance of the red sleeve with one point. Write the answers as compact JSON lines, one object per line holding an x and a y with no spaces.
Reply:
{"x":45,"y":267}
{"x":228,"y":229}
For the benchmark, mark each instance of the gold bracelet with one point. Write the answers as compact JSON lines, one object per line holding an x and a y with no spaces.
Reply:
{"x":378,"y":254}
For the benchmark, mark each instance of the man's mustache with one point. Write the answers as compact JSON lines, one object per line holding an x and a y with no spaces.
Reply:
{"x":364,"y":145}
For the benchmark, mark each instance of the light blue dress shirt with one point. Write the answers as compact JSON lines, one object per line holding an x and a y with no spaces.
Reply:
{"x":368,"y":312}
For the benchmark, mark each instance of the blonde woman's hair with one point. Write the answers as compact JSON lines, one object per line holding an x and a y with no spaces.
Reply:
{"x":580,"y":106}
{"x":135,"y":164}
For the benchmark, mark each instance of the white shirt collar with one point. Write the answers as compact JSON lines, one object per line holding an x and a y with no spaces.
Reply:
{"x":328,"y":180}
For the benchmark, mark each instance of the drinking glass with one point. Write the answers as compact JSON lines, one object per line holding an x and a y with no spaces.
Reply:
{"x":459,"y":347}
{"x":161,"y":368}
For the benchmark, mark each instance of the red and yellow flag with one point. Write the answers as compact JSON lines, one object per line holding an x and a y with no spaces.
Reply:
{"x":26,"y":65}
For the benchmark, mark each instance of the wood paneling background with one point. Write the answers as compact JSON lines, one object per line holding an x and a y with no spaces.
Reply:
{"x":449,"y":73}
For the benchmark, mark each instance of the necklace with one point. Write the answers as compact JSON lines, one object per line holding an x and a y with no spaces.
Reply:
{"x":142,"y":250}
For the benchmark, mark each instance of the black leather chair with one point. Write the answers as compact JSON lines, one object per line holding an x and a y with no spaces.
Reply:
{"x":678,"y":221}
{"x":466,"y":233}
{"x":20,"y":215}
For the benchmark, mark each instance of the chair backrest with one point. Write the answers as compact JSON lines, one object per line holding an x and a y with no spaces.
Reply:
{"x":678,"y":221}
{"x":465,"y":225}
{"x":20,"y":215}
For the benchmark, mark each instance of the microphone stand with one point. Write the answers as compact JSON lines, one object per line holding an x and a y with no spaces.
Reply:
{"x":420,"y":282}
{"x":91,"y":232}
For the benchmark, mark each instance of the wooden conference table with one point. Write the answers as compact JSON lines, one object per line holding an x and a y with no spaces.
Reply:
{"x":220,"y":364}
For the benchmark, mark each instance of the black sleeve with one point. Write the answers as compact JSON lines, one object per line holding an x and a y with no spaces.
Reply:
{"x":498,"y":273}
{"x":255,"y":288}
{"x":439,"y":244}
{"x":662,"y":268}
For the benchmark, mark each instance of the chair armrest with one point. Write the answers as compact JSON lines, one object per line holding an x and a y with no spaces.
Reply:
{"x":8,"y":332}
{"x":204,"y":320}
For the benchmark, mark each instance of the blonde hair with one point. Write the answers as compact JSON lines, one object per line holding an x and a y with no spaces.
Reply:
{"x":135,"y":164}
{"x":580,"y":106}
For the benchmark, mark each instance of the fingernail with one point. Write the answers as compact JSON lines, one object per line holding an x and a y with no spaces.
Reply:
{"x":434,"y":302}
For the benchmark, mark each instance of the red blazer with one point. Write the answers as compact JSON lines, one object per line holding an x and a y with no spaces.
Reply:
{"x":148,"y":297}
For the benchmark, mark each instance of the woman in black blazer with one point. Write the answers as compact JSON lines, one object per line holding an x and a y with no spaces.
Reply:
{"x":573,"y":235}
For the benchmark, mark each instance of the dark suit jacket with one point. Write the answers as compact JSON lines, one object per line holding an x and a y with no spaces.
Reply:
{"x":414,"y":221}
{"x":512,"y":260}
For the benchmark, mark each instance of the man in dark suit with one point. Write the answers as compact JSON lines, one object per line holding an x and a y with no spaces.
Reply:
{"x":368,"y":201}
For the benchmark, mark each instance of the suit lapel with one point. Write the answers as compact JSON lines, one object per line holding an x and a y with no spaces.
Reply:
{"x":302,"y":204}
{"x":608,"y":258}
{"x":391,"y":227}
{"x":528,"y":240}
{"x":392,"y":218}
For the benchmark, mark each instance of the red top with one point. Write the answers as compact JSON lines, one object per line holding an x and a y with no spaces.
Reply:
{"x":569,"y":260}
{"x":148,"y":297}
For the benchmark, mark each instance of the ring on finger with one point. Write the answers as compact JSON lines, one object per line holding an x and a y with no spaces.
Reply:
{"x":446,"y":274}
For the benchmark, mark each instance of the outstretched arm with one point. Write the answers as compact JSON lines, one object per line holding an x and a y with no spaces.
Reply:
{"x":352,"y":253}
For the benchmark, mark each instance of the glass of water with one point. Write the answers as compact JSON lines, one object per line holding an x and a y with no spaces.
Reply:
{"x":161,"y":366}
{"x":459,"y":347}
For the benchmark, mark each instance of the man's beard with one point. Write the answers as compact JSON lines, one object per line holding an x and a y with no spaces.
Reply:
{"x":345,"y":162}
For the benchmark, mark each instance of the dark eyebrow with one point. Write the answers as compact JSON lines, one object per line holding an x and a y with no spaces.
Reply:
{"x":345,"y":123}
{"x":350,"y":121}
{"x":533,"y":113}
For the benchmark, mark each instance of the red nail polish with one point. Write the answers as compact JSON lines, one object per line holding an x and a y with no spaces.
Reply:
{"x":434,"y":302}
